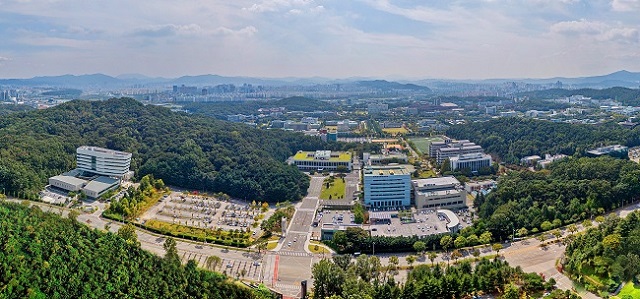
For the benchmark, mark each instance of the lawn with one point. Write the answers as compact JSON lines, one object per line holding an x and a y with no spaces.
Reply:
{"x":422,"y":143}
{"x":427,"y":174}
{"x":272,"y":245}
{"x":315,"y":248}
{"x":395,"y":131}
{"x":336,"y":189}
{"x":629,"y":289}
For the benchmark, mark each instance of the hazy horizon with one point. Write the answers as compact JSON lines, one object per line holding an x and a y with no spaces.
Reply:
{"x":402,"y":39}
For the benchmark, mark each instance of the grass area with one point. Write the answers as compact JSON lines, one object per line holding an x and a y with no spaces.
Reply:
{"x":589,"y":273}
{"x":272,"y":245}
{"x":238,"y":239}
{"x":629,"y":289}
{"x":336,"y":189}
{"x":427,"y":174}
{"x":422,"y":143}
{"x":316,"y":248}
{"x":395,"y":131}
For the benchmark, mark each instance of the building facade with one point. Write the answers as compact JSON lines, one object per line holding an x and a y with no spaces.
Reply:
{"x":444,"y":192}
{"x":474,"y":162}
{"x":322,"y":160}
{"x":102,"y":161}
{"x":387,"y":187}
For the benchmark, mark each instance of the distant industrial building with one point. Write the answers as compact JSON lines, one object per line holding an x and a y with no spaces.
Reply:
{"x":102,"y":161}
{"x":474,"y":162}
{"x":548,"y":159}
{"x":444,"y":192}
{"x":322,"y":160}
{"x":377,"y":108}
{"x":387,"y":187}
{"x":618,"y":151}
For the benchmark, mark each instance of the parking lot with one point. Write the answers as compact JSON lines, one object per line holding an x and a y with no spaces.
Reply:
{"x":52,"y":196}
{"x":424,"y":223}
{"x":206,"y":212}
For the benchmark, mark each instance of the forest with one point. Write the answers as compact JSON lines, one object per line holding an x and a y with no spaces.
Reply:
{"x":570,"y":190}
{"x":365,"y":278}
{"x":220,"y":110}
{"x":191,"y":151}
{"x":606,"y":255}
{"x":46,"y":256}
{"x":510,"y":139}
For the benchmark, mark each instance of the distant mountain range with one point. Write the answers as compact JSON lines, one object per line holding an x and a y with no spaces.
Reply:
{"x":101,"y":81}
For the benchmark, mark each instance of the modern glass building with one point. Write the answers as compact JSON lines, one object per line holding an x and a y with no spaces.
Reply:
{"x":387,"y":186}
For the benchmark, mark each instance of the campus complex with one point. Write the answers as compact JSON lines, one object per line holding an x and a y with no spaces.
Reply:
{"x":98,"y":171}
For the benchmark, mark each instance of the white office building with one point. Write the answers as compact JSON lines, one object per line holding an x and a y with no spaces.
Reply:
{"x":102,"y":161}
{"x":387,"y":186}
{"x":444,"y":192}
{"x":471,"y":161}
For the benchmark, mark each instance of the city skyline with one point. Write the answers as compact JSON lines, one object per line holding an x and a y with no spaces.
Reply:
{"x":308,"y":38}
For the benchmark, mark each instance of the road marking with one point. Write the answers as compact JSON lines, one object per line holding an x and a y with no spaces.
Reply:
{"x":275,"y":270}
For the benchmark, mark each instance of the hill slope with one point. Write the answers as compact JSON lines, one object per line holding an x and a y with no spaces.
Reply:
{"x":190,"y":151}
{"x":46,"y":256}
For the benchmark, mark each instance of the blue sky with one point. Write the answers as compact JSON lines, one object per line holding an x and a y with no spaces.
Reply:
{"x":329,"y":38}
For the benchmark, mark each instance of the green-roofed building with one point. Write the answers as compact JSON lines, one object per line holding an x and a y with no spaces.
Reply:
{"x":322,"y":160}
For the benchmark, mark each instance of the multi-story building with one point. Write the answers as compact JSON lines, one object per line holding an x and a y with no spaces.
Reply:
{"x":322,"y":160}
{"x":456,"y":150}
{"x":387,"y":186}
{"x":444,"y":192}
{"x":377,"y":108}
{"x":102,"y":161}
{"x":471,"y":161}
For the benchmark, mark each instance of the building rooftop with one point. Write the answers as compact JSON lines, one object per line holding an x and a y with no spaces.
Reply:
{"x":103,"y":150}
{"x":100,"y":184}
{"x":608,"y":149}
{"x":69,"y":180}
{"x":323,"y":156}
{"x":385,"y":170}
{"x":443,"y":181}
{"x":451,"y":216}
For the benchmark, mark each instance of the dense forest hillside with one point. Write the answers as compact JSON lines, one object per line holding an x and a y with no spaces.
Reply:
{"x":191,"y":151}
{"x":220,"y":110}
{"x":11,"y":108}
{"x":626,"y":96}
{"x":46,"y":256}
{"x":607,"y":255}
{"x":571,"y":190}
{"x":513,"y":138}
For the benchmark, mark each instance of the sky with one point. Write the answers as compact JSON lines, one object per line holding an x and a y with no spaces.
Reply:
{"x":455,"y":39}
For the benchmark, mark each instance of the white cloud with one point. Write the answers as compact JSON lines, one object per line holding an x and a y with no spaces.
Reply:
{"x":191,"y":30}
{"x":292,"y":6}
{"x":4,"y":58}
{"x":596,"y":30}
{"x":625,"y":5}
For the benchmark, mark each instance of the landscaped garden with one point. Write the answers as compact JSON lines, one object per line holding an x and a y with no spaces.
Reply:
{"x":333,"y":188}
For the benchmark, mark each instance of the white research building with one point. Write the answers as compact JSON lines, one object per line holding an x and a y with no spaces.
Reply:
{"x":102,"y":161}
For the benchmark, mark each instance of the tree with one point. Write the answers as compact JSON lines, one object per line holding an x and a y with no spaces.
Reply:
{"x":600,"y":219}
{"x":327,"y":279}
{"x":587,"y":223}
{"x":460,"y":242}
{"x":612,"y":242}
{"x":128,"y":233}
{"x":572,"y":228}
{"x":393,"y":263}
{"x":212,"y":262}
{"x":522,"y":232}
{"x":73,"y":215}
{"x":432,"y":256}
{"x":343,"y":261}
{"x":419,"y":247}
{"x":556,"y":233}
{"x":171,"y":251}
{"x":497,"y":247}
{"x":410,"y":260}
{"x":545,"y":226}
{"x":485,"y":238}
{"x":511,"y":291}
{"x":472,"y":240}
{"x":456,"y":255}
{"x":476,"y":253}
{"x":446,"y":242}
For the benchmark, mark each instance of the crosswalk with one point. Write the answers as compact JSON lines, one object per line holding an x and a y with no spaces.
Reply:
{"x":294,"y":253}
